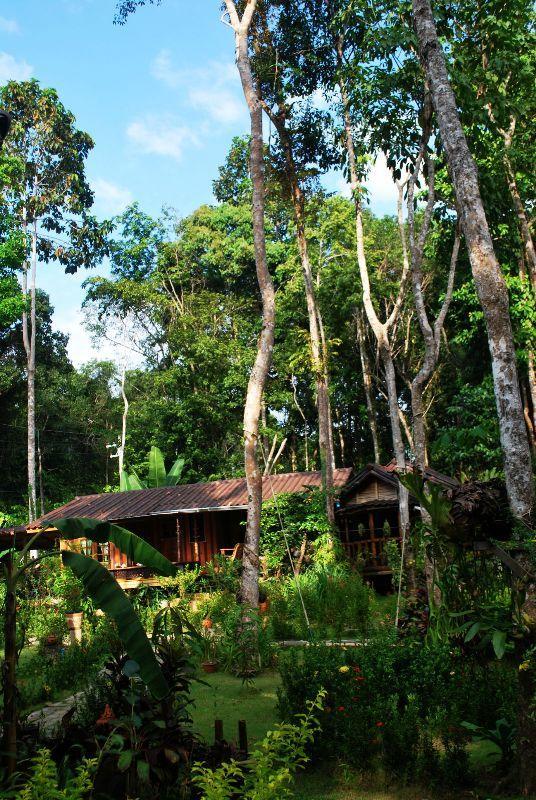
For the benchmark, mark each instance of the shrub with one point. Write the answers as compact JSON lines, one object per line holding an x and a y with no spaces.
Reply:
{"x":41,"y":677}
{"x":272,"y":765}
{"x":303,"y":515}
{"x":43,"y":783}
{"x":393,"y":701}
{"x":336,"y":601}
{"x":237,"y":641}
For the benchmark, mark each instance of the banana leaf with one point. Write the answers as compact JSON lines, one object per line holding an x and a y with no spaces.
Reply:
{"x":101,"y":586}
{"x":127,"y":483}
{"x":157,"y":468}
{"x":133,"y":546}
{"x":174,"y":474}
{"x":124,"y":482}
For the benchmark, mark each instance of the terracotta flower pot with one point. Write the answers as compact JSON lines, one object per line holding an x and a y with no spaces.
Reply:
{"x":264,"y":605}
{"x":209,"y":666}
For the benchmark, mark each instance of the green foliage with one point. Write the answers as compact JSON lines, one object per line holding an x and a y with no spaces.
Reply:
{"x":491,"y":623}
{"x":391,"y":702}
{"x":244,"y":645}
{"x":273,"y":766}
{"x":106,"y":593}
{"x":147,"y":742}
{"x":157,"y":475}
{"x":502,"y":735}
{"x":302,"y":515}
{"x":336,"y":601}
{"x":43,"y":782}
{"x":53,"y":188}
{"x":42,"y":675}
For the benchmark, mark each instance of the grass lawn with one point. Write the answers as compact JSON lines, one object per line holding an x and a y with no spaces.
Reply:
{"x":322,"y":785}
{"x":229,"y":699}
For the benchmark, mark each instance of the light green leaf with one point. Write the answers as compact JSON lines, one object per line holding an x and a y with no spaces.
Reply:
{"x":143,"y":770}
{"x":124,"y":481}
{"x":103,"y":589}
{"x":124,"y":761}
{"x":499,"y":643}
{"x":472,"y":632}
{"x":174,"y":474}
{"x":157,"y":469}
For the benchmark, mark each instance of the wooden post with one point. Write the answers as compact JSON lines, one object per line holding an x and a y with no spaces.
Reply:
{"x":243,"y":737}
{"x":218,"y":730}
{"x":178,"y":528}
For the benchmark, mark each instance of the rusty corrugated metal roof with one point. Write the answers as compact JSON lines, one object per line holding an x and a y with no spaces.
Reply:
{"x":430,"y":474}
{"x":223,"y":495}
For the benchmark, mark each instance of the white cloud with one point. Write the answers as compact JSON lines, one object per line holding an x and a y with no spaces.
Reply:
{"x":80,"y":347}
{"x":13,"y":70}
{"x":219,"y":104}
{"x":83,"y":347}
{"x":161,"y":136}
{"x":381,"y":187}
{"x":214,"y":89}
{"x":110,"y":198}
{"x":162,"y":69}
{"x":9,"y":25}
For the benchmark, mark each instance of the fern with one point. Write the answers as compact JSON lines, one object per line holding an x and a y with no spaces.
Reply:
{"x":43,"y":781}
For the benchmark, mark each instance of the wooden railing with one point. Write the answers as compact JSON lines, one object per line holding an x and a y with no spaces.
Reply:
{"x":371,"y":552}
{"x":139,"y":571}
{"x":131,"y":573}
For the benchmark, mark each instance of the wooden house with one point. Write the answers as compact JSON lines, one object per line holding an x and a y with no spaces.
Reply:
{"x":189,"y":524}
{"x":192,"y":523}
{"x":368,"y":513}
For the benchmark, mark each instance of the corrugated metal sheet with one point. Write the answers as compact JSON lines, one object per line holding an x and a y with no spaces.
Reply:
{"x":431,"y":474}
{"x":224,"y":494}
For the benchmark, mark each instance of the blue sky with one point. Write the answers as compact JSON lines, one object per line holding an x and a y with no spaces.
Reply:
{"x":161,"y":98}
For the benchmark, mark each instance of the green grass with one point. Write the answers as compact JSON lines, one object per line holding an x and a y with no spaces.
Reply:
{"x":229,"y":699}
{"x":322,"y":785}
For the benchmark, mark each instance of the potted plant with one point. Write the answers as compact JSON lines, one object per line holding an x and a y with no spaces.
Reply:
{"x":209,"y":663}
{"x":264,"y":602}
{"x":70,"y":591}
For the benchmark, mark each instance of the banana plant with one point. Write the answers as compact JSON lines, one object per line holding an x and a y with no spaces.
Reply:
{"x":100,"y":586}
{"x":157,"y":475}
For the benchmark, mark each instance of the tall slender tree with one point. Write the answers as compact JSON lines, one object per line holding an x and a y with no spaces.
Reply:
{"x":50,"y":206}
{"x":303,"y":141}
{"x":489,"y":280}
{"x":259,"y":374}
{"x":382,"y":330}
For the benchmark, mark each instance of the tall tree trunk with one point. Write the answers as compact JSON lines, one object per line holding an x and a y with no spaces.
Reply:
{"x":381,"y":329}
{"x":432,"y":344}
{"x":367,"y":385}
{"x":259,"y":373}
{"x":531,"y":369}
{"x":121,"y":449}
{"x":318,"y":354}
{"x":40,"y":473}
{"x":519,"y":207}
{"x":305,"y":431}
{"x":28,"y":336}
{"x":325,"y":362}
{"x":489,"y":281}
{"x":398,"y":447}
{"x":528,"y":247}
